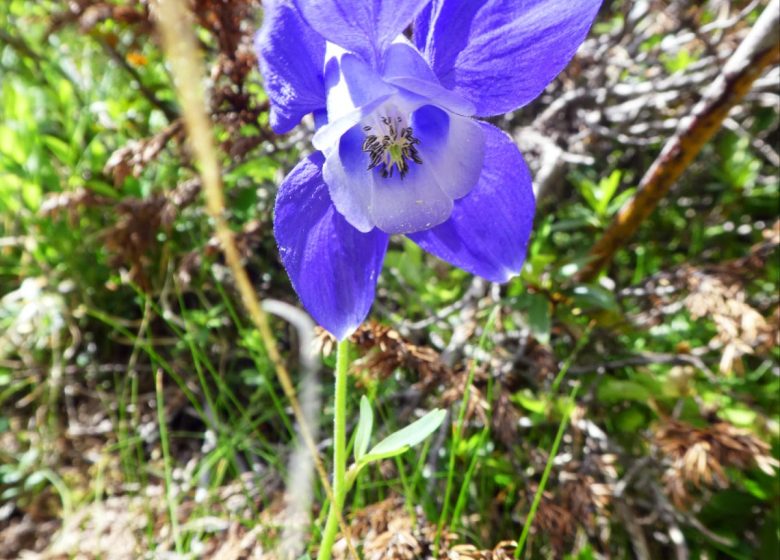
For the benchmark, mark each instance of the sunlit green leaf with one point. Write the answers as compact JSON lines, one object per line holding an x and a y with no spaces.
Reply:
{"x":403,"y":439}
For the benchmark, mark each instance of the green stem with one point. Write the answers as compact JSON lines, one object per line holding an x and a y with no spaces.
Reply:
{"x":339,"y":452}
{"x":458,"y":433}
{"x":167,"y":464}
{"x":529,"y":521}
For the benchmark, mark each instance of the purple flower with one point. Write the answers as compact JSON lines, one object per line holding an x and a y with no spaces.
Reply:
{"x":401,"y":149}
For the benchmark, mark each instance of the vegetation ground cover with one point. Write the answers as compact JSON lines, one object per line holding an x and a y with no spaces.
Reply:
{"x":139,"y":412}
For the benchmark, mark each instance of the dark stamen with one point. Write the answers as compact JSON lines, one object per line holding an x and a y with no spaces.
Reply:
{"x":394,"y":149}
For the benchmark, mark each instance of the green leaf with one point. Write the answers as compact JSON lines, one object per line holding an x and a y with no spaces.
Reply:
{"x":608,"y":186}
{"x":739,"y":416}
{"x":617,"y":203}
{"x":59,"y":148}
{"x":364,"y":428}
{"x":616,"y":390}
{"x":374,"y":457}
{"x":530,"y":402}
{"x":258,"y":170}
{"x":594,"y":297}
{"x":630,"y":420}
{"x":587,"y":189}
{"x":400,"y":441}
{"x":539,"y":317}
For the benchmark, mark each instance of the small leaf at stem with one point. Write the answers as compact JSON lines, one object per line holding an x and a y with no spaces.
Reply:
{"x":364,"y":427}
{"x":374,"y":457}
{"x":411,"y":435}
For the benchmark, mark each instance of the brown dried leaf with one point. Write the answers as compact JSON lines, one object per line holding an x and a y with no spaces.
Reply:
{"x":137,"y":154}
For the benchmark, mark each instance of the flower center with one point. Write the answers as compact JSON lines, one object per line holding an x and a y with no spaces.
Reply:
{"x":391,"y":145}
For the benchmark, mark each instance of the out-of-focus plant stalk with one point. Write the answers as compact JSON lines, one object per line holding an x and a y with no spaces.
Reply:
{"x":760,"y":49}
{"x":188,"y":75}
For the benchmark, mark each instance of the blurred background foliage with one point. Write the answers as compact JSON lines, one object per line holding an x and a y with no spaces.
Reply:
{"x":139,"y":415}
